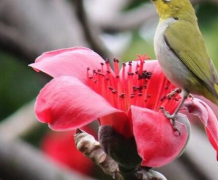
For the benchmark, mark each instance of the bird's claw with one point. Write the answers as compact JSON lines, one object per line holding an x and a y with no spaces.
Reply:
{"x":173,"y":93}
{"x":172,"y":120}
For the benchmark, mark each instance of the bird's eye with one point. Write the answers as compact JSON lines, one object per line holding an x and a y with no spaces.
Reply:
{"x":166,"y":1}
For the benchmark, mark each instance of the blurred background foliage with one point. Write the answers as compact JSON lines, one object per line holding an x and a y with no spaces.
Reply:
{"x":19,"y":84}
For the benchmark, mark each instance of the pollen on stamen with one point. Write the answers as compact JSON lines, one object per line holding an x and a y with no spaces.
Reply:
{"x":163,"y":98}
{"x":139,"y":94}
{"x":130,"y":73}
{"x":140,"y":88}
{"x":114,"y":91}
{"x":176,"y":99}
{"x":122,"y":95}
{"x":134,"y":88}
{"x":169,"y":98}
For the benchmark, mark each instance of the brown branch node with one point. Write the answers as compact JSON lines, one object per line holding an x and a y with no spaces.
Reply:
{"x":91,"y":148}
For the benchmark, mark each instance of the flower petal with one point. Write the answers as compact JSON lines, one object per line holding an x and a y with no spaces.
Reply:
{"x":68,"y":62}
{"x":157,"y":142}
{"x":66,"y":103}
{"x":199,"y":108}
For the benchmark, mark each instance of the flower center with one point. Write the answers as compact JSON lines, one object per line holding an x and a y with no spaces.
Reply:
{"x":128,"y":86}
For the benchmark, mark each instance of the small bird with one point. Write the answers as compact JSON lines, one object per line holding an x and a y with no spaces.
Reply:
{"x":181,"y":51}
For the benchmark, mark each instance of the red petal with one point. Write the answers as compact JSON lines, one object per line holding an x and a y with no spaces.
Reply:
{"x":66,"y":103}
{"x":68,"y":62}
{"x":156,"y":140}
{"x":120,"y":122}
{"x":204,"y":112}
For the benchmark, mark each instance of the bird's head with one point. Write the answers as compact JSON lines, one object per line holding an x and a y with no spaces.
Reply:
{"x":181,"y":9}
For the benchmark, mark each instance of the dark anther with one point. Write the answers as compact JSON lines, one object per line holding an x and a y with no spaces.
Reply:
{"x":144,"y":75}
{"x":130,"y":63}
{"x":162,"y":99}
{"x":111,"y":88}
{"x":124,"y":64}
{"x":99,"y":70}
{"x":88,"y":68}
{"x":122,"y":95}
{"x":114,"y":91}
{"x":179,"y":90}
{"x":102,"y":63}
{"x":95,"y":81}
{"x":176,"y":99}
{"x":140,"y":88}
{"x":94,"y":71}
{"x":116,"y":60}
{"x":134,"y":88}
{"x":117,"y":76}
{"x":145,"y":100}
{"x":107,"y":78}
{"x":166,"y":87}
{"x":106,"y":60}
{"x":90,"y":77}
{"x":140,"y":94}
{"x":108,"y":71}
{"x":136,"y":72}
{"x":130,"y":73}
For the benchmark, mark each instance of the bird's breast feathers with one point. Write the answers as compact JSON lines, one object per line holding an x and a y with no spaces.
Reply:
{"x":171,"y":65}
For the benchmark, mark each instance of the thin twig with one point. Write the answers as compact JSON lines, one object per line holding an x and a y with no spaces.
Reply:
{"x":91,"y":32}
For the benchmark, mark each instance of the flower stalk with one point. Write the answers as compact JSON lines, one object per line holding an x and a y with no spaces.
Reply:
{"x":91,"y":148}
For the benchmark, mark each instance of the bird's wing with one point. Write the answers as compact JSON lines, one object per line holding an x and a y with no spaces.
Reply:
{"x":186,"y":42}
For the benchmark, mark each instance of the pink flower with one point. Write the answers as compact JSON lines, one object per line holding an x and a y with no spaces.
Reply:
{"x":85,"y":88}
{"x":59,"y":147}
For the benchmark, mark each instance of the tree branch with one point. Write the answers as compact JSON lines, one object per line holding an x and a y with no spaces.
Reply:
{"x":92,"y":149}
{"x":21,"y":161}
{"x":39,"y":26}
{"x":24,"y":118}
{"x":91,"y":32}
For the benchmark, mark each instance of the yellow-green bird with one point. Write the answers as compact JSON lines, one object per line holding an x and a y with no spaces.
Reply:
{"x":181,"y":51}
